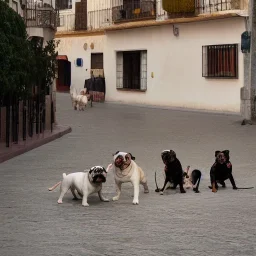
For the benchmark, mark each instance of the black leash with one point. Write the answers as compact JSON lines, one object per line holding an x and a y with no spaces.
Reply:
{"x":157,"y":189}
{"x":246,"y":188}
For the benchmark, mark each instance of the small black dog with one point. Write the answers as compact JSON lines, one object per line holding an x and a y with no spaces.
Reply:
{"x":221,"y":171}
{"x":192,"y":179}
{"x":173,"y":171}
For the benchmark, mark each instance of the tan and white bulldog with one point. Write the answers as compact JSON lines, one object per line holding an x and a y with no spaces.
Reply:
{"x":126,"y":170}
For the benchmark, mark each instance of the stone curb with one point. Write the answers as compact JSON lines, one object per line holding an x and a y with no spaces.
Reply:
{"x":193,"y":110}
{"x":35,"y":144}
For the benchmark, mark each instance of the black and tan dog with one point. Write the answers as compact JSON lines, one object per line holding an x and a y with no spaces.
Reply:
{"x":173,"y":171}
{"x":221,"y":171}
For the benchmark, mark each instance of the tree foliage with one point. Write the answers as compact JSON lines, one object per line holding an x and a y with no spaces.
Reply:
{"x":23,"y":63}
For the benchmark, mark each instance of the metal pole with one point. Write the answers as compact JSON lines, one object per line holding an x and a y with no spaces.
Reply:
{"x":248,"y":104}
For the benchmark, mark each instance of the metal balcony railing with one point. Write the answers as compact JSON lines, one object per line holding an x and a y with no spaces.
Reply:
{"x":211,"y":6}
{"x":41,"y":15}
{"x":66,"y":22}
{"x":190,"y":8}
{"x":135,"y":10}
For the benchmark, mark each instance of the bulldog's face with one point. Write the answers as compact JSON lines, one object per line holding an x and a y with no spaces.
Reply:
{"x":168,"y":156}
{"x":122,"y":159}
{"x":222,"y":156}
{"x":97,"y":174}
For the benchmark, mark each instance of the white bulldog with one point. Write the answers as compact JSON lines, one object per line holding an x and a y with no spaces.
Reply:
{"x":126,"y":170}
{"x":85,"y":183}
{"x":79,"y":101}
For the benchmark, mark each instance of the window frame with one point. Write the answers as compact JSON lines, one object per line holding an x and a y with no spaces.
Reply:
{"x":97,"y":62}
{"x":224,"y":61}
{"x":62,"y":6}
{"x":120,"y":70}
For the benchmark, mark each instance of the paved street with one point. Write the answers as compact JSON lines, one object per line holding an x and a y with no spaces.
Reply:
{"x":221,"y":224}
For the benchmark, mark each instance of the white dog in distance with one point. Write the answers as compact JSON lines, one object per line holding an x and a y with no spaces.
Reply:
{"x":79,"y":101}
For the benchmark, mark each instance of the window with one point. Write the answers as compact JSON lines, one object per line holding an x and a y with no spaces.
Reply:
{"x":97,"y":61}
{"x":131,"y":70}
{"x":64,"y":4}
{"x":220,"y":61}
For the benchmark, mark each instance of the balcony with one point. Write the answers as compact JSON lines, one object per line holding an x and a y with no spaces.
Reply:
{"x":190,"y":8}
{"x":134,"y":11}
{"x":40,"y":15}
{"x":213,"y":6}
{"x":66,"y":22}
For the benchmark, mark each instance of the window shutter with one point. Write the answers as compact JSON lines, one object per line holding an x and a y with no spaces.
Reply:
{"x":143,"y":70}
{"x":119,"y":70}
{"x":81,"y":15}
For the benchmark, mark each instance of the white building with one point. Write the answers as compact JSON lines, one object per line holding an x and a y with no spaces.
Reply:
{"x":186,"y":56}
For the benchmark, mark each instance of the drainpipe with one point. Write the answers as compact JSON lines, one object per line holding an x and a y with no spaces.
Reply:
{"x":253,"y":58}
{"x":248,"y":92}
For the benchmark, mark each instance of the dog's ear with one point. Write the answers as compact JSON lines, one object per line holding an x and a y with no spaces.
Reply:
{"x":104,"y":170}
{"x":92,"y":169}
{"x":226,"y":153}
{"x":132,"y":157}
{"x":116,"y":153}
{"x":172,"y":153}
{"x":217,"y":152}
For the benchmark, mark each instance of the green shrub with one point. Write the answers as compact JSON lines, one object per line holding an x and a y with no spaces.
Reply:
{"x":23,"y":63}
{"x":14,"y":52}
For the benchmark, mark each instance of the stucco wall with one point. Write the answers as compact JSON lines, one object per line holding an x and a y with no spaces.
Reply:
{"x":175,"y":61}
{"x":73,"y":47}
{"x":177,"y":65}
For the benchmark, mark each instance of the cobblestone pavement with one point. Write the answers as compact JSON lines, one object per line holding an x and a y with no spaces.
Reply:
{"x":32,"y":223}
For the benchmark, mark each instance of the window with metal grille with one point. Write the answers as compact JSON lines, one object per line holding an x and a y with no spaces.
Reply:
{"x":220,"y":61}
{"x":97,"y":61}
{"x":64,"y":4}
{"x":131,"y":70}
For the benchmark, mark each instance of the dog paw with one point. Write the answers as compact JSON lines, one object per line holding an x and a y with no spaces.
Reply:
{"x":235,"y":188}
{"x":85,"y":205}
{"x":59,"y":201}
{"x":75,"y":199}
{"x":146,"y":191}
{"x":106,"y":200}
{"x":157,"y":190}
{"x":214,"y":190}
{"x":161,"y":193}
{"x":135,"y":202}
{"x":115,"y":198}
{"x":183,"y":191}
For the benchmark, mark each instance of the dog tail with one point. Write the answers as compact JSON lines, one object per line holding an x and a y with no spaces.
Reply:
{"x":55,"y":186}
